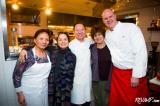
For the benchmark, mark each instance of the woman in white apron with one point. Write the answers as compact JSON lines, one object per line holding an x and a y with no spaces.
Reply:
{"x":31,"y":77}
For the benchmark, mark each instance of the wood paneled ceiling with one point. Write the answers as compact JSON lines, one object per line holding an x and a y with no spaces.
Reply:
{"x":85,"y":7}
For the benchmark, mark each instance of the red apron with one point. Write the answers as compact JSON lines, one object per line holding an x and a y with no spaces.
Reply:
{"x":122,"y":94}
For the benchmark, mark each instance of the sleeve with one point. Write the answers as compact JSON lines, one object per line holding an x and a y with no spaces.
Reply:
{"x":28,"y":48}
{"x":70,"y":68}
{"x":51,"y":87}
{"x":69,"y":76}
{"x":139,"y":52}
{"x":51,"y":81}
{"x":17,"y":75}
{"x":50,"y":49}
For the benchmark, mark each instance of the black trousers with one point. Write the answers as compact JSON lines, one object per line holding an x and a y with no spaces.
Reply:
{"x":85,"y":104}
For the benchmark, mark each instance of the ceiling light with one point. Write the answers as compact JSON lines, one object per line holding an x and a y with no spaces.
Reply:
{"x":48,"y":11}
{"x":128,"y":1}
{"x":15,"y":6}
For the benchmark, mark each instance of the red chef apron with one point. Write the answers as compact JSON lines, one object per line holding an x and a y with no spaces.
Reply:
{"x":122,"y":94}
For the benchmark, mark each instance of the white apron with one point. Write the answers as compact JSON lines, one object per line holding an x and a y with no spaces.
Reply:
{"x":35,"y":83}
{"x":81,"y":91}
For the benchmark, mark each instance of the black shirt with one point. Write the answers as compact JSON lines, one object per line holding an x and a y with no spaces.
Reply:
{"x":104,"y":63}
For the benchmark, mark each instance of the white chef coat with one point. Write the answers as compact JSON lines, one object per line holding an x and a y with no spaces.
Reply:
{"x":81,"y":91}
{"x":35,"y":83}
{"x":128,"y":49}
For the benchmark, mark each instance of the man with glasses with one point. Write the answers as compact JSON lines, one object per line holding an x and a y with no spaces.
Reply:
{"x":129,"y":56}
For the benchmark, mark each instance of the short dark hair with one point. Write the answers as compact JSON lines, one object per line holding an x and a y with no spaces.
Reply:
{"x":66,"y":33}
{"x":49,"y":32}
{"x":97,"y":29}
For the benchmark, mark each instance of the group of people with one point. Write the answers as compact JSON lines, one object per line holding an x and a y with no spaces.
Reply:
{"x":112,"y":64}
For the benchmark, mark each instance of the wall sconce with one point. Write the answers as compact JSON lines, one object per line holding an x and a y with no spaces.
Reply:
{"x":15,"y":6}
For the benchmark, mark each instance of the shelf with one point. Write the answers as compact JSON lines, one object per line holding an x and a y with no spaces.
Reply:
{"x":153,"y":29}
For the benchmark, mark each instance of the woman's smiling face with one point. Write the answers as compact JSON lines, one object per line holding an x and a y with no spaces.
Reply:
{"x":63,"y":41}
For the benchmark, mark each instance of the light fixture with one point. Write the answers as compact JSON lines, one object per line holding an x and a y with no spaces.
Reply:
{"x":128,"y":1}
{"x":15,"y":6}
{"x":48,"y":11}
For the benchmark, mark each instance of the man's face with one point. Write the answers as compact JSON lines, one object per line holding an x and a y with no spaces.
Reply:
{"x":80,"y":32}
{"x":109,"y":18}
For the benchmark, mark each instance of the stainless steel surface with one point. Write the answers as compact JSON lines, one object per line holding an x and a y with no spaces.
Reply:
{"x":4,"y":27}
